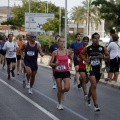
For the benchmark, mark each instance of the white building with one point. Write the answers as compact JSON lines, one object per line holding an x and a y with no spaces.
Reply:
{"x":82,"y":28}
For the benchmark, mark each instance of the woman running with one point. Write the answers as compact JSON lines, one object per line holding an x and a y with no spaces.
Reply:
{"x":61,"y":70}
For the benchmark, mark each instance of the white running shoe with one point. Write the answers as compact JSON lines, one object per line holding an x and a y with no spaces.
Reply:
{"x":30,"y":91}
{"x":59,"y":107}
{"x":97,"y":109}
{"x":54,"y":86}
{"x":28,"y":85}
{"x":89,"y":103}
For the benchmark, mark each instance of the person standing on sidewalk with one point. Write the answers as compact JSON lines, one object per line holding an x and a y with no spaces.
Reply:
{"x":54,"y":47}
{"x":95,"y":53}
{"x":114,"y":50}
{"x":73,"y":47}
{"x":10,"y":47}
{"x":82,"y":66}
{"x":31,"y":49}
{"x":61,"y":72}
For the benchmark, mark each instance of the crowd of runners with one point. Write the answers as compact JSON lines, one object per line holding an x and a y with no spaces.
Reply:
{"x":87,"y":59}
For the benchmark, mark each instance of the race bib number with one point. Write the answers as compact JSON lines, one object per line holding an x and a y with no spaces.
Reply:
{"x":61,"y":67}
{"x":11,"y":53}
{"x":30,"y":53}
{"x":95,"y":62}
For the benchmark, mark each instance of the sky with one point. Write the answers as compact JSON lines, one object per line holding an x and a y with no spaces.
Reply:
{"x":70,"y":3}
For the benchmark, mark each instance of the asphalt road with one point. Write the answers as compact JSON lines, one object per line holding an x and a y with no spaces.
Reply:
{"x":17,"y":104}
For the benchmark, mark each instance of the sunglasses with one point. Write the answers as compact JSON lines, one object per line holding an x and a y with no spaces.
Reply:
{"x":32,"y":36}
{"x":96,"y":37}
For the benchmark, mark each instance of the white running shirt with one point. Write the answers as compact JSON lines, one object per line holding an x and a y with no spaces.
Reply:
{"x":11,"y":46}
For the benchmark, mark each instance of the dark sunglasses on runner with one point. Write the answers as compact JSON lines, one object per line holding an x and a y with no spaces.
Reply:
{"x":96,"y":37}
{"x":32,"y":36}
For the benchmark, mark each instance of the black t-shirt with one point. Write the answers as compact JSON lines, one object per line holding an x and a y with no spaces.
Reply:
{"x":93,"y":52}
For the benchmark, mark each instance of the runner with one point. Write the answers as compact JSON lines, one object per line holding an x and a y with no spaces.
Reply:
{"x":1,"y":51}
{"x":10,"y":47}
{"x":82,"y":66}
{"x":31,"y":49}
{"x":4,"y":40}
{"x":20,"y":42}
{"x":74,"y":47}
{"x":95,"y":53}
{"x":61,"y":70}
{"x":53,"y":47}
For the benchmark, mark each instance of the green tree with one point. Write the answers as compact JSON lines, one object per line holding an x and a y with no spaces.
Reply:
{"x":51,"y":25}
{"x":37,"y":6}
{"x":86,"y":13}
{"x":110,"y":11}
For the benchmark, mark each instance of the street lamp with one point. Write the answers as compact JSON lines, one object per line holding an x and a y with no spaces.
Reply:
{"x":8,"y":15}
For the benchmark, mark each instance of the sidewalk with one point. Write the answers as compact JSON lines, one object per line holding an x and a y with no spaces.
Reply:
{"x":45,"y":61}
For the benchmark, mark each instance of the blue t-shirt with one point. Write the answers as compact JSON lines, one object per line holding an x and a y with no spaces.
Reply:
{"x":74,"y":46}
{"x":53,"y":47}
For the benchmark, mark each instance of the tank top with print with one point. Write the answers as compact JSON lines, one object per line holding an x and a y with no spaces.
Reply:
{"x":62,"y":62}
{"x":31,"y":53}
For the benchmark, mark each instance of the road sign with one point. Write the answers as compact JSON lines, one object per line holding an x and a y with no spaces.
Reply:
{"x":36,"y":21}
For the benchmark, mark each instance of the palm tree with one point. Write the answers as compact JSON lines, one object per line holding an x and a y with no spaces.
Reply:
{"x":86,"y":13}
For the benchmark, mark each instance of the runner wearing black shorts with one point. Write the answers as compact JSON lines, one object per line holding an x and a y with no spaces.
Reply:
{"x":95,"y":53}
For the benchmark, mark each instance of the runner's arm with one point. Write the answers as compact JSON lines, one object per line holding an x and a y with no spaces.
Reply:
{"x":107,"y":55}
{"x":82,"y":55}
{"x":40,"y":50}
{"x":52,"y":59}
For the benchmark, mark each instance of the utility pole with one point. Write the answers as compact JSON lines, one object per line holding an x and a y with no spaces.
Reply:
{"x":8,"y":16}
{"x":29,"y":15}
{"x":65,"y":23}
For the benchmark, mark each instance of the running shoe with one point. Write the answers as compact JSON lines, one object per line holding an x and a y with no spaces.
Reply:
{"x":79,"y":85}
{"x":59,"y":107}
{"x":28,"y":85}
{"x":106,"y":79}
{"x":13,"y":75}
{"x":30,"y":91}
{"x":54,"y":86}
{"x":89,"y":103}
{"x":97,"y":109}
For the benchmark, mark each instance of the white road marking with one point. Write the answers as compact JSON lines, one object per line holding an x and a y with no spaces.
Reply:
{"x":31,"y":101}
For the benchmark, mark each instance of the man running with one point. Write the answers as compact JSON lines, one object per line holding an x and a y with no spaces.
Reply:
{"x":95,"y":53}
{"x":10,"y":47}
{"x":74,"y":47}
{"x":82,"y":66}
{"x":31,"y":49}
